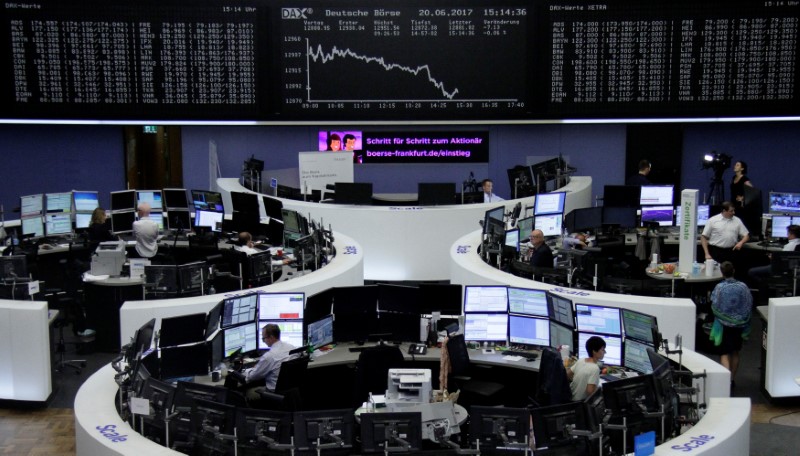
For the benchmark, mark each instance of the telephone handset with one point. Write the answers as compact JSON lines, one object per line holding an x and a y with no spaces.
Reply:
{"x":417,"y":349}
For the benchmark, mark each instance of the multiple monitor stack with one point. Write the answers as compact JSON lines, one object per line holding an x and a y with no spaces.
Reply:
{"x":53,"y":214}
{"x":538,"y":178}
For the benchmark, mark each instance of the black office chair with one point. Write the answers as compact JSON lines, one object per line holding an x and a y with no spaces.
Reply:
{"x":553,"y":385}
{"x":552,"y":276}
{"x":622,"y":285}
{"x":473,"y":391}
{"x":286,"y":396}
{"x":372,"y":370}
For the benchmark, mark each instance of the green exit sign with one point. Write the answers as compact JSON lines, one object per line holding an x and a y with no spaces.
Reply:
{"x":151,"y":129}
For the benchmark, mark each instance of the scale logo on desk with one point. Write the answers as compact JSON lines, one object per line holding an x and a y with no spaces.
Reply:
{"x":350,"y":250}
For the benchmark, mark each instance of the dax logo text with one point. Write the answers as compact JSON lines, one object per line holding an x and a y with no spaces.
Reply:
{"x":294,"y":13}
{"x":693,"y":443}
{"x":109,"y":431}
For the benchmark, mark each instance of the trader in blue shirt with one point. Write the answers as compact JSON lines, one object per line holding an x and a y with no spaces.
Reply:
{"x":488,"y":196}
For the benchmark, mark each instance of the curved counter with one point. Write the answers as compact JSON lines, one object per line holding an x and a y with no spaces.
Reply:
{"x":409,"y":242}
{"x":345,"y":269}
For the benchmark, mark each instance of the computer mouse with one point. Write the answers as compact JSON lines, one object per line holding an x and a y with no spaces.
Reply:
{"x":529,"y":360}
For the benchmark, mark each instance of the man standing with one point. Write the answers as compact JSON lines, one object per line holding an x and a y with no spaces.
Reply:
{"x":488,"y":196}
{"x":269,"y":365}
{"x":541,"y":255}
{"x":146,"y":233}
{"x":732,"y":304}
{"x":640,"y":178}
{"x":723,"y":235}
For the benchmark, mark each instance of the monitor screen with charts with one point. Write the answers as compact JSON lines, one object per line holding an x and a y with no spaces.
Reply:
{"x":613,"y":355}
{"x":527,"y":301}
{"x":486,"y":327}
{"x":59,"y":202}
{"x":238,"y":310}
{"x":485,"y":299}
{"x":244,"y":338}
{"x":561,"y":335}
{"x":82,"y":220}
{"x":210,"y":219}
{"x":636,"y":357}
{"x":31,"y":206}
{"x":58,"y":224}
{"x":33,"y":227}
{"x":512,"y":239}
{"x":549,"y":203}
{"x":525,"y":226}
{"x":320,"y":333}
{"x":281,"y":306}
{"x":656,"y":195}
{"x":658,"y":214}
{"x":638,"y":326}
{"x":151,"y":197}
{"x":561,"y":310}
{"x":550,"y":224}
{"x":702,"y":214}
{"x":781,"y":223}
{"x":291,"y":332}
{"x":528,"y":331}
{"x":598,"y":319}
{"x":85,"y":201}
{"x":207,"y":201}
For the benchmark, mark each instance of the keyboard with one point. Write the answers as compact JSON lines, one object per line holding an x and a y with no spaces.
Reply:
{"x":524,"y":354}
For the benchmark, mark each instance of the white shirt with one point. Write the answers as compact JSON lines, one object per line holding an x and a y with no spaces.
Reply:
{"x":269,"y":365}
{"x":584,"y":374}
{"x":491,"y":198}
{"x":790,"y":246}
{"x":247,"y":249}
{"x":146,"y":233}
{"x":724,"y":232}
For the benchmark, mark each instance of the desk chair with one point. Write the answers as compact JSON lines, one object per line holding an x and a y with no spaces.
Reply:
{"x":553,"y":384}
{"x":372,"y":370}
{"x":622,"y":286}
{"x":286,"y":396}
{"x":473,"y":391}
{"x":551,"y":275}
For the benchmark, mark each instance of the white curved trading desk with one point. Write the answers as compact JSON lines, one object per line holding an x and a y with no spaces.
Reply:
{"x":409,"y":242}
{"x":782,"y":371}
{"x":344,"y":270}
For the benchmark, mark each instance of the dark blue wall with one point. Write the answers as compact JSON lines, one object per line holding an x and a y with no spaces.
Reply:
{"x":43,"y":158}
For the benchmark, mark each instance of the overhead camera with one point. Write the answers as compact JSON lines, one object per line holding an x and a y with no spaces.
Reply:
{"x":717,"y":162}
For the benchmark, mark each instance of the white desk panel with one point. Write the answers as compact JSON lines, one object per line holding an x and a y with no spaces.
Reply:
{"x":25,"y":351}
{"x":782,"y":368}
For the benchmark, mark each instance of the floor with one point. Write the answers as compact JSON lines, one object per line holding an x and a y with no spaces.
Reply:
{"x":27,"y":430}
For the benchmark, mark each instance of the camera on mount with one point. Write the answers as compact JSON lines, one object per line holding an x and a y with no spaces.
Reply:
{"x":717,"y":162}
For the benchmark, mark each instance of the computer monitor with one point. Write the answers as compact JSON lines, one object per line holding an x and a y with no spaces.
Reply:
{"x":85,"y":201}
{"x":494,"y":222}
{"x":702,"y":214}
{"x":639,"y":326}
{"x":549,"y":203}
{"x":353,"y":193}
{"x":260,"y":268}
{"x":498,"y":428}
{"x":391,"y":432}
{"x":212,"y":319}
{"x":491,"y":298}
{"x":528,"y":331}
{"x":257,"y":428}
{"x":184,"y":361}
{"x":291,"y":332}
{"x":211,"y":415}
{"x":598,"y":319}
{"x":211,"y":219}
{"x":551,"y":425}
{"x":550,"y":224}
{"x":486,"y":327}
{"x":185,"y":329}
{"x":58,"y":202}
{"x":122,"y":222}
{"x":187,"y":393}
{"x":324,"y":426}
{"x":656,"y":195}
{"x":631,"y":396}
{"x":58,"y":224}
{"x":244,"y":202}
{"x":584,"y":219}
{"x":636,"y":357}
{"x":124,"y":200}
{"x":31,"y":206}
{"x":191,"y":277}
{"x":159,"y":394}
{"x":178,"y":220}
{"x":320,"y":332}
{"x":621,"y":196}
{"x":291,"y":221}
{"x":175,"y":198}
{"x":561,"y":310}
{"x":244,"y":338}
{"x":613,"y":355}
{"x":512,"y":240}
{"x":622,"y":216}
{"x":436,"y":194}
{"x":239,"y":310}
{"x":780,"y":225}
{"x":521,"y":182}
{"x":273,"y":208}
{"x":144,"y":337}
{"x":398,"y":298}
{"x":83,"y":220}
{"x":561,"y":335}
{"x":527,"y":301}
{"x":784,"y":203}
{"x":444,"y":298}
{"x":207,"y":201}
{"x":158,"y":218}
{"x":33,"y":227}
{"x":161,"y":278}
{"x":658,"y":214}
{"x":525,"y":226}
{"x":281,"y":306}
{"x":13,"y":268}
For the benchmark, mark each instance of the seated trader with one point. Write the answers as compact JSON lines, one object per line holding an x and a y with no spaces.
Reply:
{"x":724,"y":234}
{"x":540,"y":254}
{"x":245,"y":244}
{"x":641,"y":177}
{"x":575,"y":241}
{"x":760,"y":273}
{"x":98,"y":227}
{"x":146,"y":233}
{"x":269,"y":365}
{"x":488,"y":196}
{"x":584,"y":375}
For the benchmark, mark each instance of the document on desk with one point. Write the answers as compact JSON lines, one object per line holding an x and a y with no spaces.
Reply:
{"x":513,"y":358}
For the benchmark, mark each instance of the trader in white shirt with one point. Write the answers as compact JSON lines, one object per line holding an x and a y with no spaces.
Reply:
{"x":723,"y":235}
{"x":145,"y":231}
{"x":488,"y":196}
